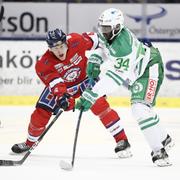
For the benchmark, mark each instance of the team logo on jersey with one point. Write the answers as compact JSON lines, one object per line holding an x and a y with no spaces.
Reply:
{"x":137,"y":87}
{"x":72,"y":74}
{"x":151,"y":90}
{"x":74,"y":44}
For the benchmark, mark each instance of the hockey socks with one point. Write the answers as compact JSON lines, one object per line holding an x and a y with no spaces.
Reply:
{"x":109,"y":118}
{"x":39,"y":119}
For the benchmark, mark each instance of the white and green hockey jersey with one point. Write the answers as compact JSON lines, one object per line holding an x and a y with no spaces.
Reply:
{"x":127,"y":57}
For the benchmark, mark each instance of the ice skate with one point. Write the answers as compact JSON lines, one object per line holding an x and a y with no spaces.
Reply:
{"x":123,"y":149}
{"x":20,"y":148}
{"x":160,"y":158}
{"x":168,"y":143}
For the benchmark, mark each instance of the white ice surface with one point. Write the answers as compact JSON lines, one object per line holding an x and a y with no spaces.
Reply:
{"x":95,"y":157}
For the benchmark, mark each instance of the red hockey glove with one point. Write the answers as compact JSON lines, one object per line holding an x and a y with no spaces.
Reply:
{"x":59,"y":89}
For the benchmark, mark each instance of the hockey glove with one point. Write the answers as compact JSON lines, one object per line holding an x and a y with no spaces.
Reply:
{"x":87,"y":100}
{"x":66,"y":102}
{"x":93,"y":66}
{"x":59,"y":89}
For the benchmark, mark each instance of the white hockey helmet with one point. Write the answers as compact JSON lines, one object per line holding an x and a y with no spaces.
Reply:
{"x":110,"y":23}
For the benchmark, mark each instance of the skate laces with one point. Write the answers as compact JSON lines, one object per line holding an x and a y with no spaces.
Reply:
{"x":160,"y":154}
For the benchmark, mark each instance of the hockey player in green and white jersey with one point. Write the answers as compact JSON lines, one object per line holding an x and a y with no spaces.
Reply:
{"x":135,"y":65}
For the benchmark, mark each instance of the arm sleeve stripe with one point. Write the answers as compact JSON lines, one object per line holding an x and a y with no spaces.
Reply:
{"x":115,"y":77}
{"x":55,"y":81}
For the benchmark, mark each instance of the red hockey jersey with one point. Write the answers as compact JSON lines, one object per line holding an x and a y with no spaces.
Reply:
{"x":73,"y":69}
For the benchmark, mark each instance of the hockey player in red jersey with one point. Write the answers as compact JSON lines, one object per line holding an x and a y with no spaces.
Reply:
{"x":62,"y":69}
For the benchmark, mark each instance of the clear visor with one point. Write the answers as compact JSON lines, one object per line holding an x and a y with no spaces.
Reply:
{"x":59,"y":43}
{"x":59,"y":46}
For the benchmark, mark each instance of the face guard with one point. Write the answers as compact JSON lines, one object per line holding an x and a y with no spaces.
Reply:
{"x":110,"y":23}
{"x":108,"y":32}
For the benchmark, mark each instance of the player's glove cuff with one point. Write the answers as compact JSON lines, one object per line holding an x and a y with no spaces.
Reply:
{"x":96,"y":59}
{"x":87,"y":100}
{"x":90,"y":96}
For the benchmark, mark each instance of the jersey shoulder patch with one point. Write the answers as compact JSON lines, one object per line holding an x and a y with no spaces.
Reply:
{"x":74,"y":40}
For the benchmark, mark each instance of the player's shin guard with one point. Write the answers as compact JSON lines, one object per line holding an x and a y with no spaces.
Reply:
{"x":153,"y":132}
{"x":149,"y":124}
{"x":111,"y":120}
{"x":39,"y":119}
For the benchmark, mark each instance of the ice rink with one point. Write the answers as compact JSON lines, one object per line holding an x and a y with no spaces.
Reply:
{"x":95,"y":157}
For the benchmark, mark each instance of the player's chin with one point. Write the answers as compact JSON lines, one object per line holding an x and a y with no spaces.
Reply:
{"x":62,"y":57}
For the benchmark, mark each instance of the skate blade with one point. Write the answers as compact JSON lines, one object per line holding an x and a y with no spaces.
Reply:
{"x":163,"y":162}
{"x":17,"y":154}
{"x":124,"y":154}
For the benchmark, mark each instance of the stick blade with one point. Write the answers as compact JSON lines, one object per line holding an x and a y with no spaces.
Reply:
{"x":65,"y":165}
{"x":8,"y":163}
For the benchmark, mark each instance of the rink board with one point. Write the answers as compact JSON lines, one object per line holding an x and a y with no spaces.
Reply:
{"x":115,"y":101}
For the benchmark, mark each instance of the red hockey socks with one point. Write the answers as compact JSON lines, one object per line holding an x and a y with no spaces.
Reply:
{"x":109,"y":118}
{"x":39,"y":119}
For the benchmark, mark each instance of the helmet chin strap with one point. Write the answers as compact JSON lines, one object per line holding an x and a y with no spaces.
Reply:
{"x":114,"y":34}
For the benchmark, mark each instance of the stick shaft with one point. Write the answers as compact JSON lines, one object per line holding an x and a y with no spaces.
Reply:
{"x":76,"y":137}
{"x":20,"y":162}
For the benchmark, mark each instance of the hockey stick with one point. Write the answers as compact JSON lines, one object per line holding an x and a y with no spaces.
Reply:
{"x":1,"y":13}
{"x":20,"y":162}
{"x":63,"y":164}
